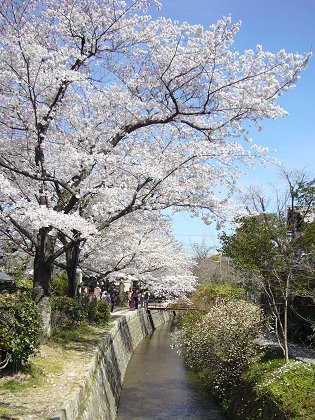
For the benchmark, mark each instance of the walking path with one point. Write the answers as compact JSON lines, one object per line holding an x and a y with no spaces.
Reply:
{"x":64,"y":368}
{"x":119,"y":312}
{"x":297,"y":351}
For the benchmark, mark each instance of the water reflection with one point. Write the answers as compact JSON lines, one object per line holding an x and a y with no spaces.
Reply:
{"x":158,"y":385}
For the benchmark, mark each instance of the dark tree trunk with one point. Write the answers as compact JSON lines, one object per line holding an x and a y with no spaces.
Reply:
{"x":72,"y":257}
{"x":43,"y":264}
{"x":42,"y":277}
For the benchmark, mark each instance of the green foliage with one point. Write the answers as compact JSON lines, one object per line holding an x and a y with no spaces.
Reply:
{"x":59,"y":285}
{"x":25,"y":285}
{"x":33,"y":377}
{"x":278,"y":264}
{"x":98,"y":312}
{"x":305,"y":193}
{"x":66,"y":335}
{"x":208,"y":293}
{"x":290,"y":386}
{"x":189,"y":320}
{"x":258,"y":243}
{"x":66,"y":312}
{"x":19,"y":328}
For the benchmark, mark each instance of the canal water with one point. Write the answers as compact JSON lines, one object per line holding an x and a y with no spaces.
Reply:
{"x":158,"y":385}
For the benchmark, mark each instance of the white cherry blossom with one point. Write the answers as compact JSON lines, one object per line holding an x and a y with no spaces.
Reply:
{"x":106,"y":112}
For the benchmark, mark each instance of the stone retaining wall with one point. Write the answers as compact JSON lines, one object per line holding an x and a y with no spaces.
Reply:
{"x":98,"y":397}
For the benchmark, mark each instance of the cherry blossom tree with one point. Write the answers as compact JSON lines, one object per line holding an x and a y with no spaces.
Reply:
{"x":105,"y":111}
{"x":141,"y":248}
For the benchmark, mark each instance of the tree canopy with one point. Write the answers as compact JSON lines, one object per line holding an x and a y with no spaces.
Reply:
{"x":107,"y":112}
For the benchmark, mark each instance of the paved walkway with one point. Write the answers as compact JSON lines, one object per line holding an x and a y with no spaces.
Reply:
{"x":118,"y":312}
{"x":297,"y":351}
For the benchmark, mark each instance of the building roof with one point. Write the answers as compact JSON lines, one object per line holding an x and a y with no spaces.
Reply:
{"x":5,"y":278}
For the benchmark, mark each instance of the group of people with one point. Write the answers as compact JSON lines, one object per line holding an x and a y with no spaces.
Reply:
{"x":108,"y":296}
{"x":138,"y":298}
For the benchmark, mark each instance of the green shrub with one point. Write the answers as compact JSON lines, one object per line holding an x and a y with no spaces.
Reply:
{"x":208,"y":293}
{"x":98,"y":312}
{"x":19,"y":329}
{"x":25,"y":285}
{"x":66,"y":312}
{"x":290,"y":386}
{"x":189,"y":320}
{"x":59,"y":285}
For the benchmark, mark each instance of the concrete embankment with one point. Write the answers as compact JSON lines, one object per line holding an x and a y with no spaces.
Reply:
{"x":98,"y":396}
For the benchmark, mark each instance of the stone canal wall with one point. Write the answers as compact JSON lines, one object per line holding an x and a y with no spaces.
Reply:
{"x":98,"y":396}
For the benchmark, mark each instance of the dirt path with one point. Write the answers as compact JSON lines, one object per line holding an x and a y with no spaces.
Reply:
{"x":63,"y":369}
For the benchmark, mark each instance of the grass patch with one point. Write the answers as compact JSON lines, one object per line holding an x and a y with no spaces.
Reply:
{"x":290,"y":386}
{"x":51,"y":364}
{"x":67,"y":335}
{"x":8,"y":413}
{"x":31,"y":377}
{"x":13,"y":385}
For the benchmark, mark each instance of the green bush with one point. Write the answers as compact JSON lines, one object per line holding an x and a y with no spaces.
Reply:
{"x":66,"y":312}
{"x":19,"y":329}
{"x":98,"y":312}
{"x":208,"y":293}
{"x":189,"y":320}
{"x":59,"y":285}
{"x":290,"y":386}
{"x":25,"y":284}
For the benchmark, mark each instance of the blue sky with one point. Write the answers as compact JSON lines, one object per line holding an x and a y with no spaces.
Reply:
{"x":274,"y":24}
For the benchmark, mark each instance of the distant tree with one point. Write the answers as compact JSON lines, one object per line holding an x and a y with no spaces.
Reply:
{"x":277,"y":252}
{"x":212,"y":268}
{"x":141,"y":247}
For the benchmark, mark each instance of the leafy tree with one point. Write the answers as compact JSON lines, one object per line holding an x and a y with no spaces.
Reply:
{"x":59,"y":285}
{"x":255,"y":243}
{"x":278,"y":252}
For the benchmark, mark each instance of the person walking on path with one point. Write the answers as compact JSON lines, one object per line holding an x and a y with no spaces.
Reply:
{"x":108,"y":300}
{"x":137,"y":292}
{"x":131,"y":299}
{"x":146,"y":298}
{"x":113,"y":296}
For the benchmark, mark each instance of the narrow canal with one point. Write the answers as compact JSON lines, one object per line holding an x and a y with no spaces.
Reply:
{"x":158,"y":385}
